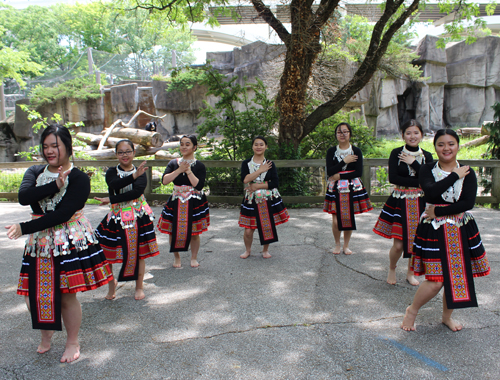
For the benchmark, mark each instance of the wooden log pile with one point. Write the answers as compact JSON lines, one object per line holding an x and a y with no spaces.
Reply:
{"x":146,"y":143}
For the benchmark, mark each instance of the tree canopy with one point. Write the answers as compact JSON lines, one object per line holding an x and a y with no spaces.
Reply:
{"x":304,"y":42}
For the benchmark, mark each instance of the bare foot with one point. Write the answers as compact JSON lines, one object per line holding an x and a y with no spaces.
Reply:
{"x":71,"y":353}
{"x":245,"y":255}
{"x":177,"y":263}
{"x":412,"y":280}
{"x":111,"y":290}
{"x":44,"y":345}
{"x":139,"y":294}
{"x":452,"y":324}
{"x":336,"y":250}
{"x":194,"y":263}
{"x":266,"y":255}
{"x":391,"y":276}
{"x":409,"y":320}
{"x":347,"y":251}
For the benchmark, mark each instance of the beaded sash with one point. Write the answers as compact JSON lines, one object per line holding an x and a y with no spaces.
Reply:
{"x":185,"y":193}
{"x":126,"y":213}
{"x":77,"y":230}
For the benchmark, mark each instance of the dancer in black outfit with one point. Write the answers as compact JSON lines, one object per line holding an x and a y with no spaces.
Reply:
{"x":447,"y":248}
{"x":186,"y":213}
{"x":127,"y":233}
{"x":62,"y":254}
{"x":401,"y":213}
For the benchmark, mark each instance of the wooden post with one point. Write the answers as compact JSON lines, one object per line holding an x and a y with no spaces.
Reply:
{"x":495,"y":186}
{"x":366,"y":178}
{"x":149,"y":187}
{"x":3,"y":114}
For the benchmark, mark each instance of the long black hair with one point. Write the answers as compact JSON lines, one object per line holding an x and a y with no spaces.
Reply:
{"x":58,"y":131}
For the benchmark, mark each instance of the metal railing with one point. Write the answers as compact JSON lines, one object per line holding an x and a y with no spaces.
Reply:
{"x":368,"y":164}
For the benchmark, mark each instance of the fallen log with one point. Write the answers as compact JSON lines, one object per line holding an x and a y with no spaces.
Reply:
{"x":469,"y":131}
{"x":91,"y":139}
{"x":476,"y":142}
{"x":126,"y":125}
{"x":140,"y":151}
{"x":138,"y":136}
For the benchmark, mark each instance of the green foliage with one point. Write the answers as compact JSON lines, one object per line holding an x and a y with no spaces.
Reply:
{"x":351,"y":38}
{"x":184,"y":78}
{"x":293,"y":181}
{"x":468,"y":25}
{"x":316,"y":144}
{"x":494,"y":128}
{"x":41,"y":123}
{"x":237,"y":127}
{"x":80,"y":89}
{"x":14,"y":64}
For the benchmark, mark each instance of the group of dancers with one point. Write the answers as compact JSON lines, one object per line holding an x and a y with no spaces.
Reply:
{"x":64,"y":255}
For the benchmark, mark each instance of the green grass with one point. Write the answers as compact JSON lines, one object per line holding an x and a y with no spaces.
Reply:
{"x":385,"y":147}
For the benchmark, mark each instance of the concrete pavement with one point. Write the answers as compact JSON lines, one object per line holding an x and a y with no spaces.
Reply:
{"x":304,"y":314}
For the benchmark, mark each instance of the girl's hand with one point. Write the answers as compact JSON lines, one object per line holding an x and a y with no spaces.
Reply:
{"x":265,"y":167}
{"x":462,"y":171}
{"x":185,"y":167}
{"x":14,"y":231}
{"x":334,"y":177}
{"x":252,"y":187}
{"x":104,"y":201}
{"x":141,"y":169}
{"x":350,"y":158}
{"x":61,"y":178}
{"x":429,"y":212}
{"x":407,"y":158}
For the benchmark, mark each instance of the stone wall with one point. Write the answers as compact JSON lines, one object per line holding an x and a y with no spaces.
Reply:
{"x":460,"y":86}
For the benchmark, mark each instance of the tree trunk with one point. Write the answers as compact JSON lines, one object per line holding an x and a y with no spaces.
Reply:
{"x":138,"y":136}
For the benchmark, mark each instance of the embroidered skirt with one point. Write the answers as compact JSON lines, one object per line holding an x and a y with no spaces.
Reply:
{"x":346,"y":204}
{"x":453,"y":254}
{"x":46,"y":272}
{"x":264,"y":216}
{"x":184,"y":219}
{"x":400,"y":216}
{"x":129,"y":241}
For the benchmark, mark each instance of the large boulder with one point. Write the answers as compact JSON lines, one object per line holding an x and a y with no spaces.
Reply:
{"x":124,"y":99}
{"x":464,"y":105}
{"x":428,"y":52}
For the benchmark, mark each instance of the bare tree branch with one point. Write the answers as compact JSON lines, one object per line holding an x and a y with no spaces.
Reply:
{"x":269,"y":17}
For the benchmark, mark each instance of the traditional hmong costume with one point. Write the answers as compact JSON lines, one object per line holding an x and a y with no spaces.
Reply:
{"x":186,"y":212}
{"x":401,"y":213}
{"x":127,"y":233}
{"x":347,"y":196}
{"x":263,"y":209}
{"x":449,"y":249}
{"x":62,"y":254}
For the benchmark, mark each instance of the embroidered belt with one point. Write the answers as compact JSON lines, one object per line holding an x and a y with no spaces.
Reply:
{"x":77,"y":230}
{"x":185,"y":193}
{"x":261,"y":195}
{"x":459,"y":219}
{"x":343,"y":184}
{"x":127,"y":212}
{"x":407,"y":192}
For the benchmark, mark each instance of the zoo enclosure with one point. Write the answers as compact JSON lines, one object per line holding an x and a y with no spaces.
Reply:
{"x":489,"y":169}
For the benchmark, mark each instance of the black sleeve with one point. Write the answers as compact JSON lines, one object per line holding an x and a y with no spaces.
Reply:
{"x":395,"y":176}
{"x":76,"y":195}
{"x":138,"y":187}
{"x":272,"y":178}
{"x":428,"y":157}
{"x":171,"y":167}
{"x":332,"y":165}
{"x":29,"y":192}
{"x":244,"y":169}
{"x":200,"y":172}
{"x":467,"y":197}
{"x":356,"y":166}
{"x":115,"y":182}
{"x":429,"y":184}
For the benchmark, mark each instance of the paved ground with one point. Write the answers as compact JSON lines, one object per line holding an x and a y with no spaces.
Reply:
{"x":304,"y":314}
